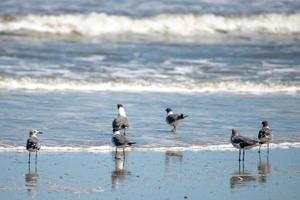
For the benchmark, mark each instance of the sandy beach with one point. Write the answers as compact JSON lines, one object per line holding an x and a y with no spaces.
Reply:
{"x":151,"y":175}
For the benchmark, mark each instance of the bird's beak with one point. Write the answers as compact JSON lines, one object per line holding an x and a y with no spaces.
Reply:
{"x":40,"y":132}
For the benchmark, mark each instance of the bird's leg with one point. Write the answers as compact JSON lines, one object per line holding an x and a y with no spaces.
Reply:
{"x":243,"y":167}
{"x":243,"y":154}
{"x":268,"y":147}
{"x":35,"y":157}
{"x":35,"y":168}
{"x":28,"y":167}
{"x":123,"y":163}
{"x":124,"y":131}
{"x":123,"y":152}
{"x":116,"y":152}
{"x":29,"y":158}
{"x":239,"y":155}
{"x":259,"y":148}
{"x":174,"y":129}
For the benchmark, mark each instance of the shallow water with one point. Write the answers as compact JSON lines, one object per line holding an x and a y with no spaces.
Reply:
{"x":84,"y":119}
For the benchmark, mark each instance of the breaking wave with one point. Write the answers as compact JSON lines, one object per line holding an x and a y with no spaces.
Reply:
{"x":201,"y":86}
{"x":109,"y":148}
{"x":164,"y":25}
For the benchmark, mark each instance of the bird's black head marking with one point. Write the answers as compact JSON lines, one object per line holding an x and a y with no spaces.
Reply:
{"x":168,"y":110}
{"x":265,"y":123}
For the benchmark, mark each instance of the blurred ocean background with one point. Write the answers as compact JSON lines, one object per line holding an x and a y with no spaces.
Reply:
{"x":64,"y":65}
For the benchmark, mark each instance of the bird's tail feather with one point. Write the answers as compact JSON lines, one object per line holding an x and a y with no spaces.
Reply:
{"x":131,"y":143}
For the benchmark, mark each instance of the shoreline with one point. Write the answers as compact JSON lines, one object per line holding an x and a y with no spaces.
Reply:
{"x":146,"y":148}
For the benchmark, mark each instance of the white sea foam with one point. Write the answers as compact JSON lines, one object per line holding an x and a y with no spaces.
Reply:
{"x":205,"y":86}
{"x":93,"y":58}
{"x":164,"y":25}
{"x":148,"y":148}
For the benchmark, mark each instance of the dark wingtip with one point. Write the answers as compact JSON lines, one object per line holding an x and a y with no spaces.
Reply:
{"x":182,"y":116}
{"x":131,"y":143}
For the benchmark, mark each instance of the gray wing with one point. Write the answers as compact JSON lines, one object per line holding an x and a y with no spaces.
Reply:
{"x":243,"y":141}
{"x":33,"y":144}
{"x":120,"y":123}
{"x":119,"y":140}
{"x":264,"y":132}
{"x":171,"y":118}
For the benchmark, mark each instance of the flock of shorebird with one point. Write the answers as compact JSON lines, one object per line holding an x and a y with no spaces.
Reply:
{"x":120,"y":123}
{"x":242,"y":143}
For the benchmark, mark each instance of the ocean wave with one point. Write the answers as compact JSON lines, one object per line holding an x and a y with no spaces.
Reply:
{"x":144,"y":148}
{"x":201,"y":86}
{"x":164,"y":25}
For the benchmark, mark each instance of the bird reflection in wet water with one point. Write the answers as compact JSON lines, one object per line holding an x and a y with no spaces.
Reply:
{"x":173,"y":157}
{"x":264,"y":169}
{"x":241,"y":177}
{"x":119,"y":173}
{"x":31,"y":181}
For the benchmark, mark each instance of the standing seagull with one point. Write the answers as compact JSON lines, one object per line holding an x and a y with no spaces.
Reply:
{"x":174,"y":119}
{"x":264,"y":135}
{"x":121,"y":122}
{"x":242,"y":143}
{"x":120,"y":140}
{"x":33,"y":144}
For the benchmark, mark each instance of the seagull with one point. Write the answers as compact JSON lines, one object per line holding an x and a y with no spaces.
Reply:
{"x":242,"y":142}
{"x":264,"y":135}
{"x":33,"y":144}
{"x":174,"y":119}
{"x":120,"y":140}
{"x":121,"y":122}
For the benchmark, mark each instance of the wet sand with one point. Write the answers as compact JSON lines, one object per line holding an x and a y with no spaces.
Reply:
{"x":151,"y":175}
